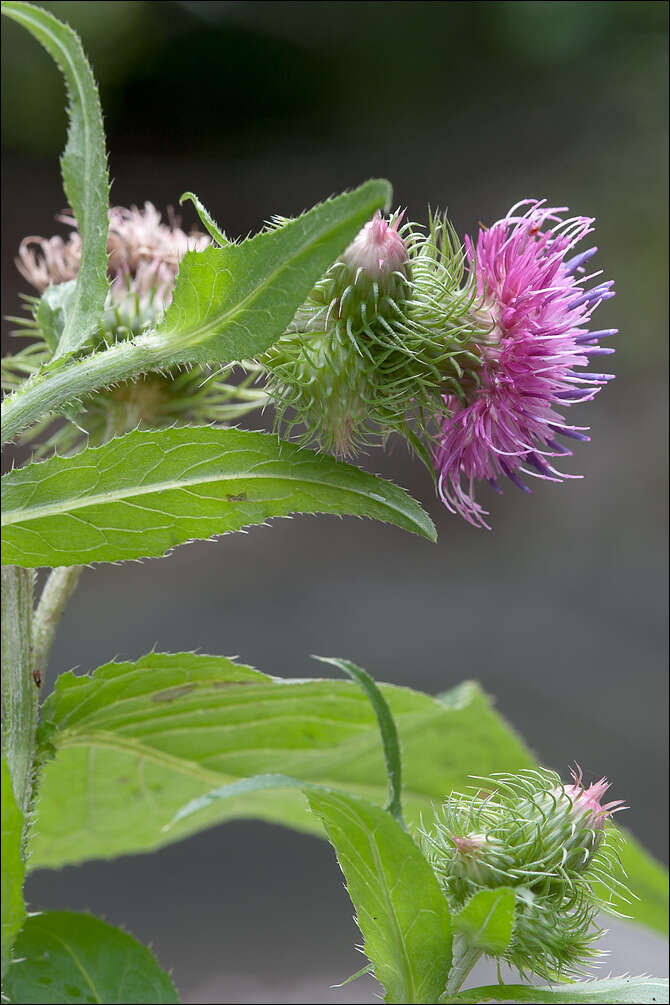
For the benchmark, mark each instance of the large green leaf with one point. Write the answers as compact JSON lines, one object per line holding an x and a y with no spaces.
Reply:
{"x":400,"y":909}
{"x":136,"y":741}
{"x":13,"y":907}
{"x":229,"y":304}
{"x":69,"y":958}
{"x":84,"y":167}
{"x":487,"y":920}
{"x":614,"y":990}
{"x":233,"y":302}
{"x":143,"y":493}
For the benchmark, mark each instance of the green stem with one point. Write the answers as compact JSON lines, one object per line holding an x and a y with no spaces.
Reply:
{"x":49,"y":393}
{"x":57,"y":591}
{"x":19,"y":690}
{"x":464,"y":959}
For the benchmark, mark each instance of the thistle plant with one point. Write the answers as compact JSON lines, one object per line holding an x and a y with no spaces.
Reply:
{"x":146,"y":345}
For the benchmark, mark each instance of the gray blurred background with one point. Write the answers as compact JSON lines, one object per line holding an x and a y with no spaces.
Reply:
{"x":560,"y":611}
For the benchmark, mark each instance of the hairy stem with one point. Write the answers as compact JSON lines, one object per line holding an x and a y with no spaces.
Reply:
{"x":49,"y":393}
{"x":19,"y":690}
{"x":57,"y":591}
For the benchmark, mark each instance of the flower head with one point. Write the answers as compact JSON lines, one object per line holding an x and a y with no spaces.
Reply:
{"x":535,"y":308}
{"x":376,"y":340}
{"x":142,"y":251}
{"x":143,"y":261}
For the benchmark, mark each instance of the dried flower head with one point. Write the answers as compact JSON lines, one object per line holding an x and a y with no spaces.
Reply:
{"x":143,"y":261}
{"x":143,"y":253}
{"x":536,"y":310}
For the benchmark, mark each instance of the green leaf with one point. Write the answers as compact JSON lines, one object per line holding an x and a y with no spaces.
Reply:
{"x":207,"y":219}
{"x":387,"y":728}
{"x":84,"y":167}
{"x":70,"y":958}
{"x":487,"y":920}
{"x":232,"y":303}
{"x":143,"y":493}
{"x":400,"y":909}
{"x":136,"y":741}
{"x":614,"y":990}
{"x":54,"y":307}
{"x":143,"y":749}
{"x":648,"y":880}
{"x":13,"y":872}
{"x":229,"y":304}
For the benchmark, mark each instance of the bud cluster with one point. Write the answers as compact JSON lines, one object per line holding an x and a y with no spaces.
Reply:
{"x":550,"y":843}
{"x":379,"y":338}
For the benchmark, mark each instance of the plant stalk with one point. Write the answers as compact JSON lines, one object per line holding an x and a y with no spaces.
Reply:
{"x":19,"y":690}
{"x":50,"y":392}
{"x":57,"y":591}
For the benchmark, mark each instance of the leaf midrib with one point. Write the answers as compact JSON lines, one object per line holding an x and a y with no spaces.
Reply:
{"x":28,"y":513}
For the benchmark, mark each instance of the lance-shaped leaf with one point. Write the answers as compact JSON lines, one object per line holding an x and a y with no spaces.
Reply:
{"x":84,"y":167}
{"x":143,"y":493}
{"x":145,"y":738}
{"x":400,"y":909}
{"x":67,"y":958}
{"x":13,"y":907}
{"x":486,"y":922}
{"x":233,"y":302}
{"x":613,"y":991}
{"x":229,"y":304}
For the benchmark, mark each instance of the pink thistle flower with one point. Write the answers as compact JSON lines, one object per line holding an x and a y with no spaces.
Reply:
{"x":587,"y":802}
{"x":537,"y":310}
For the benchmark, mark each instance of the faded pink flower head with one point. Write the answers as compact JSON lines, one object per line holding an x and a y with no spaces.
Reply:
{"x":587,"y":802}
{"x":144,"y":253}
{"x":378,"y":249}
{"x":537,"y":311}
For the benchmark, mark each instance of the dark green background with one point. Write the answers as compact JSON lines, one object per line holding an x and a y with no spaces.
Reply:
{"x":560,"y":612}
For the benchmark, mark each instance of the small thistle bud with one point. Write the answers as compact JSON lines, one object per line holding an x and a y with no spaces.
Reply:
{"x":545,"y":840}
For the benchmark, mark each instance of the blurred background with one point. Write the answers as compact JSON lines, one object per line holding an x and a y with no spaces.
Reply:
{"x":560,"y":611}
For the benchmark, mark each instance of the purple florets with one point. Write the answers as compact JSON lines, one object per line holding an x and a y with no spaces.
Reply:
{"x":535,"y":309}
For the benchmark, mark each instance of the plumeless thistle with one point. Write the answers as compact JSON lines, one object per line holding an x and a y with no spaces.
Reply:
{"x":547,"y":841}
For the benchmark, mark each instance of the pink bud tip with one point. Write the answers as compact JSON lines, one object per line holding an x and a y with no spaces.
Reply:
{"x":589,"y":800}
{"x":378,"y":248}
